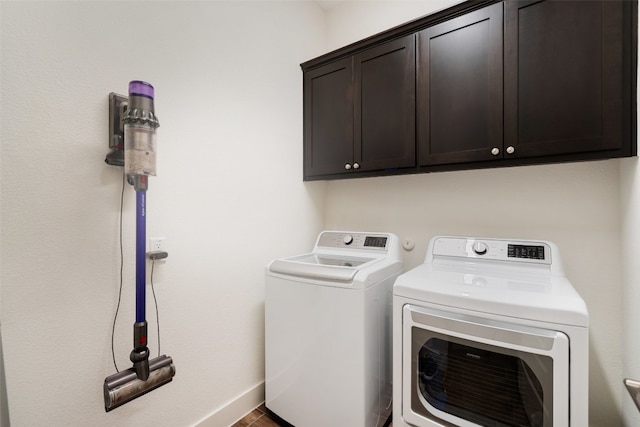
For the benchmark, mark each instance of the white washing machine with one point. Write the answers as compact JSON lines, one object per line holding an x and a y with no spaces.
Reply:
{"x":489,"y":332}
{"x":328,"y":331}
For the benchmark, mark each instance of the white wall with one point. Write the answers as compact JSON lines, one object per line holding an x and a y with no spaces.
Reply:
{"x":577,"y":206}
{"x":353,"y":20}
{"x":228,"y":198}
{"x":630,"y":198}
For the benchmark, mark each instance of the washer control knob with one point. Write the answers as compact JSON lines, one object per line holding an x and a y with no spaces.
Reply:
{"x":480,"y":248}
{"x":348,"y":239}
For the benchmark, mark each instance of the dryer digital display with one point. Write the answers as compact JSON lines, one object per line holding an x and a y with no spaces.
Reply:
{"x":525,"y":251}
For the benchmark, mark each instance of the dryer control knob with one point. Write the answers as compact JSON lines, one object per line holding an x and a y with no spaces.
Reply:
{"x":480,"y":248}
{"x":348,"y":239}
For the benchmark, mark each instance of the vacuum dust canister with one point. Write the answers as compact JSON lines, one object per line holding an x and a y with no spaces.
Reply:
{"x":140,"y":124}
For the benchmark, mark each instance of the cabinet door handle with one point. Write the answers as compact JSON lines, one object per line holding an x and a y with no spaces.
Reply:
{"x":356,"y":166}
{"x":495,"y":151}
{"x":347,"y":166}
{"x":510,"y":149}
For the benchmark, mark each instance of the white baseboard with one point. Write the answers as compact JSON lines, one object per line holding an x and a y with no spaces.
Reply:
{"x":235,"y":409}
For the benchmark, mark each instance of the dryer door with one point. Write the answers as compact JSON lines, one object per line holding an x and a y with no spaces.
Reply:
{"x":470,"y":371}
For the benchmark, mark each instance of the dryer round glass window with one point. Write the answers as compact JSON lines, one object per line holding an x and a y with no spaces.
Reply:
{"x":463,"y":369}
{"x":483,"y":385}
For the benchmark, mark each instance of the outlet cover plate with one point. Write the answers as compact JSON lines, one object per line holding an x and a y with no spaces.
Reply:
{"x":156,"y":244}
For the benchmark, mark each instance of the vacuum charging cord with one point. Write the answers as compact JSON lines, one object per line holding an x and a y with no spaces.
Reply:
{"x":153,"y":256}
{"x":115,"y":317}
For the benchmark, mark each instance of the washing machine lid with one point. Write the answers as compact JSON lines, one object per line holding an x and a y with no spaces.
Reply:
{"x":341,"y":268}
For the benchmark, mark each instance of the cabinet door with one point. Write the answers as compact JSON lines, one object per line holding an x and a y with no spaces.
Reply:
{"x":460,"y":89}
{"x":563,"y":76}
{"x":385,"y":106}
{"x":328,"y":118}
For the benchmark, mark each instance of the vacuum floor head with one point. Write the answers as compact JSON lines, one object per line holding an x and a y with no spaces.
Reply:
{"x":125,"y":386}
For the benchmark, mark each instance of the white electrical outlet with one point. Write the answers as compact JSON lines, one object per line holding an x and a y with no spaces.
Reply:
{"x":156,"y":244}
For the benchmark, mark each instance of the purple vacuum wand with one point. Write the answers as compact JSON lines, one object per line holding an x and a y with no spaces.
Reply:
{"x":140,"y":353}
{"x":140,"y":125}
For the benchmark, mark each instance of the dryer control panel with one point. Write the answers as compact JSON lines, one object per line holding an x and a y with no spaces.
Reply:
{"x":359,"y":241}
{"x":528,"y":251}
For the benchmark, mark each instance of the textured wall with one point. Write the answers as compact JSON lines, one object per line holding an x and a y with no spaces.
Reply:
{"x":228,"y":198}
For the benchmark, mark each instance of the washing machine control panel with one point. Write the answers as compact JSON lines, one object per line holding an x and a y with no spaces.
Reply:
{"x":358,"y":241}
{"x":493,"y":249}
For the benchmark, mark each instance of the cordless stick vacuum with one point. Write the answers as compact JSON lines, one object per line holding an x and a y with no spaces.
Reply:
{"x":140,"y":123}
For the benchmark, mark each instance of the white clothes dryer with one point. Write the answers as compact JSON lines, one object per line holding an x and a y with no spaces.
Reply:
{"x":489,"y":332}
{"x":328,"y":331}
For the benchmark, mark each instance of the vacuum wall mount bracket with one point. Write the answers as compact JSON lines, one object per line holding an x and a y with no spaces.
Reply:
{"x":117,"y":108}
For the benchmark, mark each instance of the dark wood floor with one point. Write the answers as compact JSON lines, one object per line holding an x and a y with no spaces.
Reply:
{"x":260,"y":417}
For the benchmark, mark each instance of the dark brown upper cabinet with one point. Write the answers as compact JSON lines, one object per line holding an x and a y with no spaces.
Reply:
{"x":328,"y":118}
{"x":460,"y":88}
{"x":359,"y":112}
{"x":385,"y":106}
{"x":567,"y":87}
{"x":481,"y":84}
